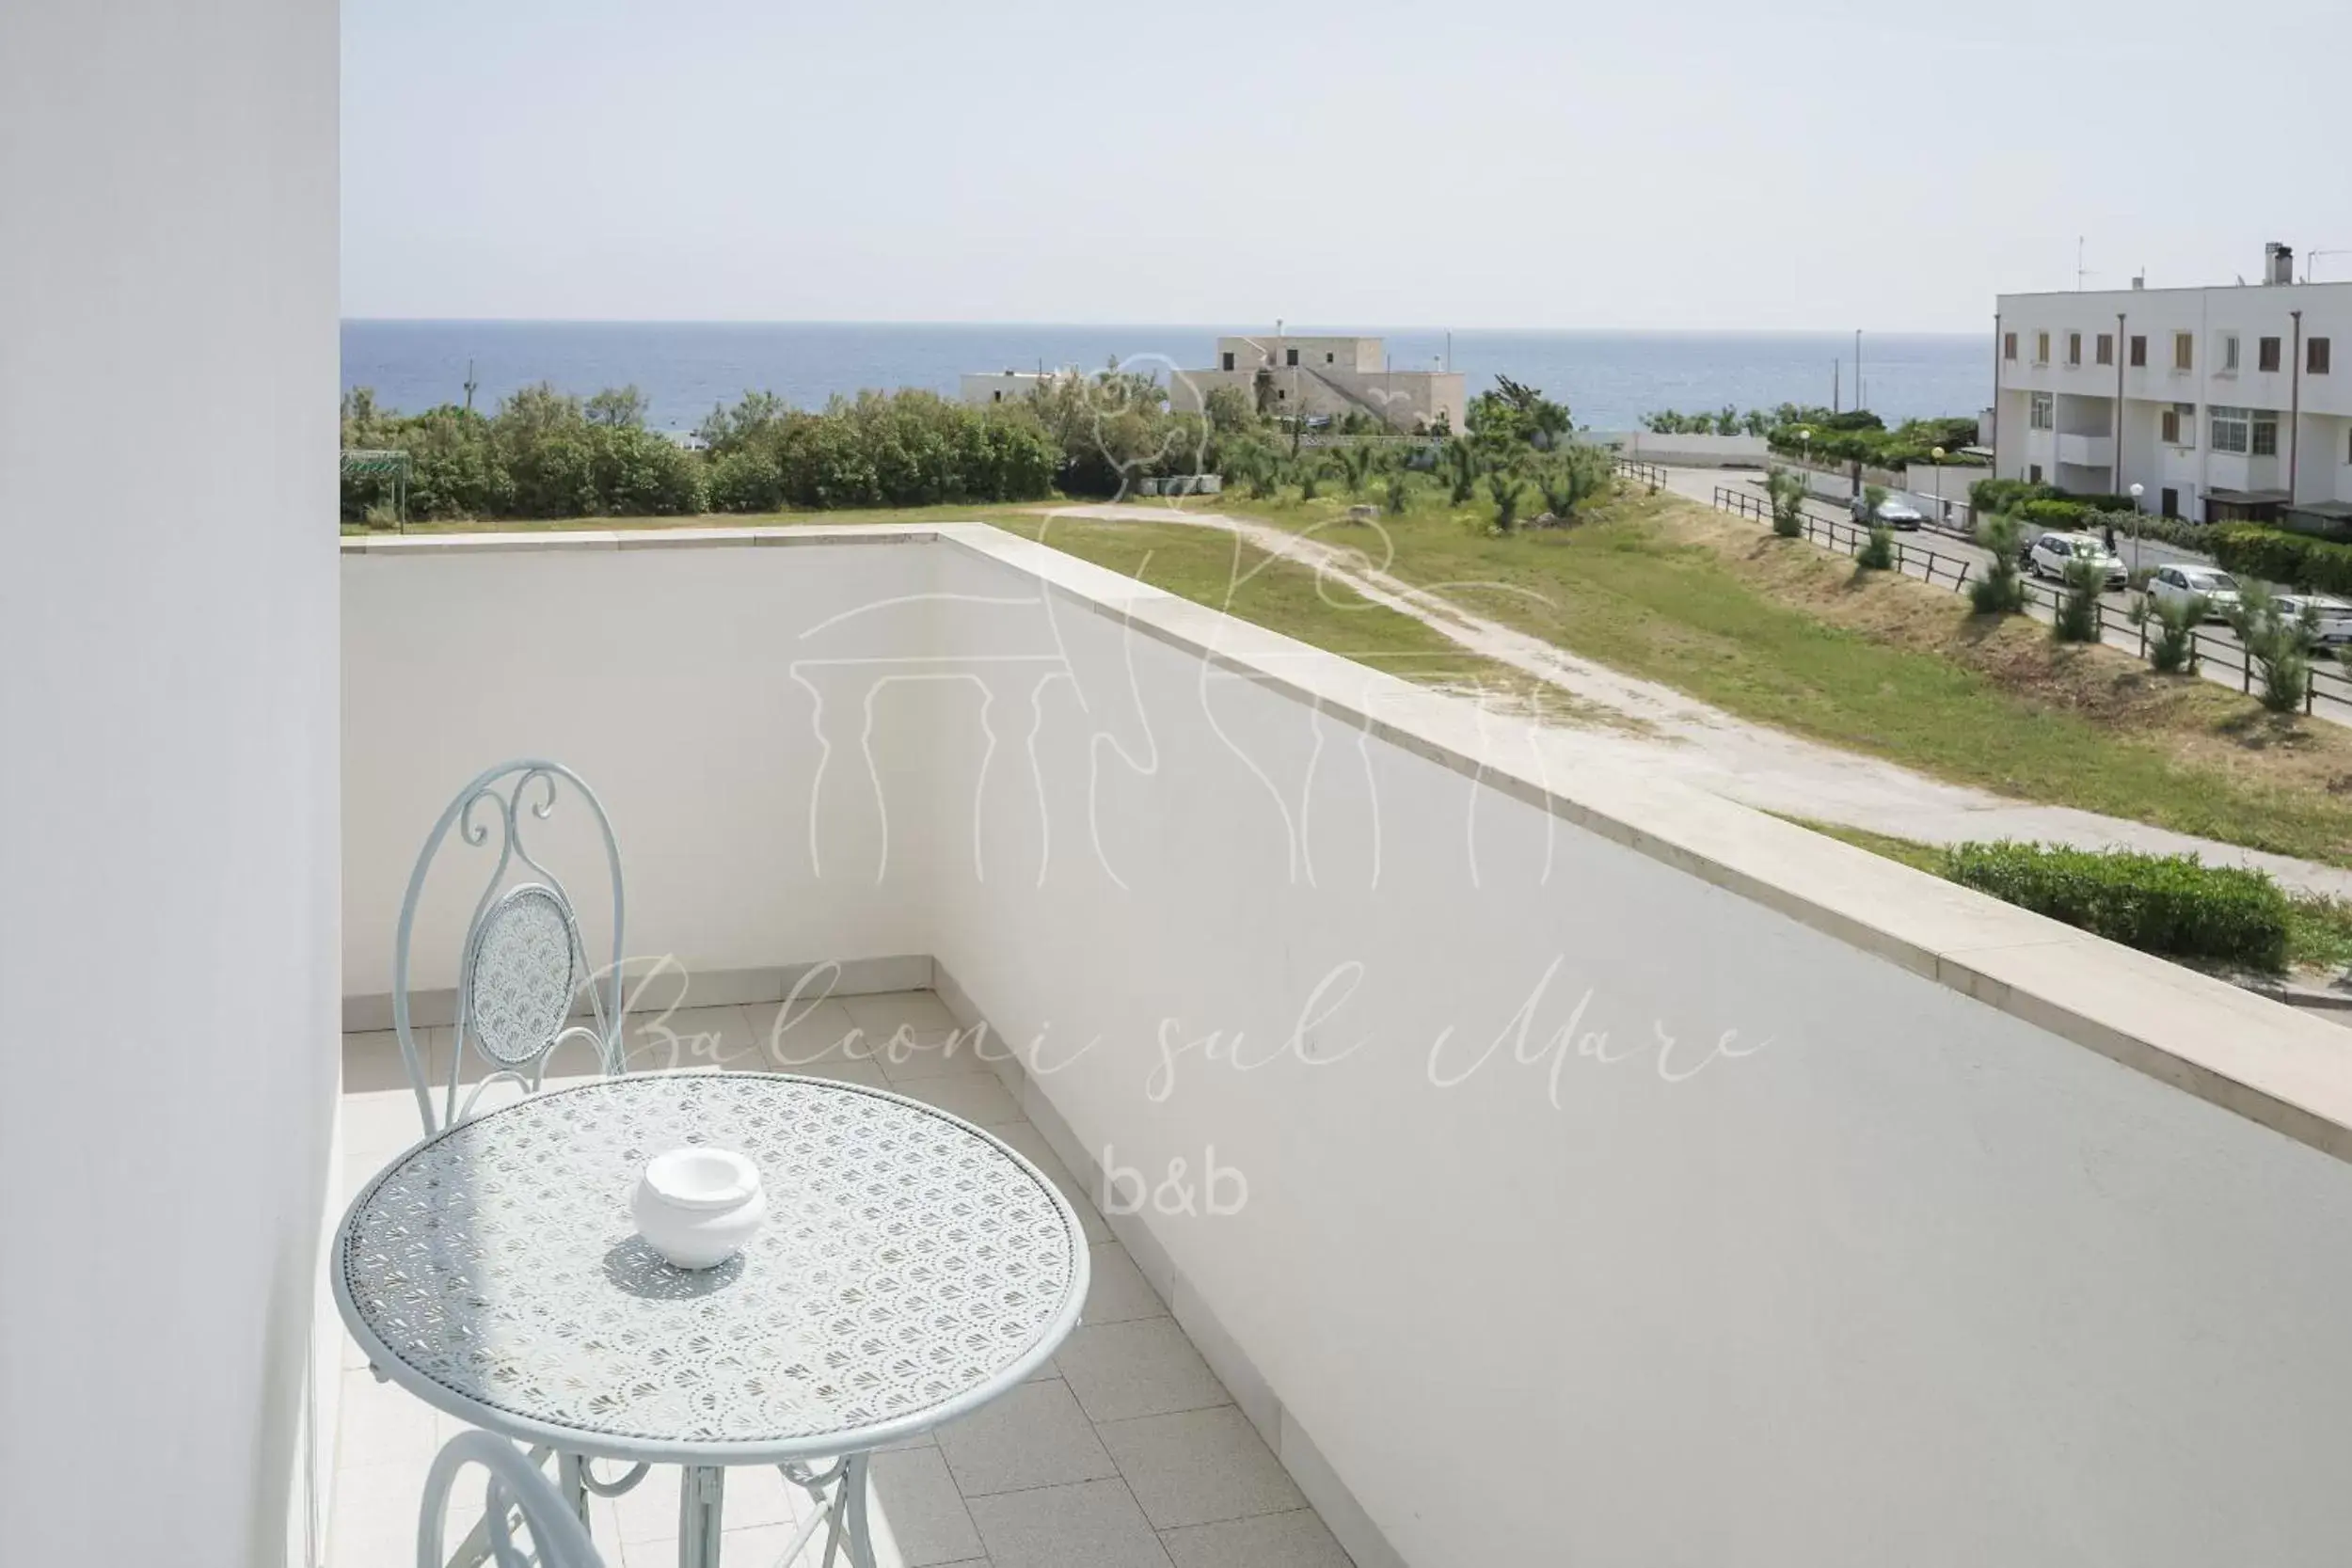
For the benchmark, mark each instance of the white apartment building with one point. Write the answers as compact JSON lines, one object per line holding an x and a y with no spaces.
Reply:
{"x":2221,"y":402}
{"x":1327,"y":377}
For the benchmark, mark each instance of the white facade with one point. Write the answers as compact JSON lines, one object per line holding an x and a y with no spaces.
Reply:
{"x":1325,"y":377}
{"x":2232,"y":401}
{"x":168,"y":818}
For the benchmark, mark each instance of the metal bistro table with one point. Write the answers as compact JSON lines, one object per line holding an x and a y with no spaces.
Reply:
{"x":911,"y":1268}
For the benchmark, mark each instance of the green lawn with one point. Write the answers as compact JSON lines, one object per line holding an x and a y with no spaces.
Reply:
{"x":1620,"y":590}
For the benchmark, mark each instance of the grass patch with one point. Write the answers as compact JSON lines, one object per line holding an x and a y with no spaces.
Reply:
{"x":1781,"y":632}
{"x":1217,"y":568}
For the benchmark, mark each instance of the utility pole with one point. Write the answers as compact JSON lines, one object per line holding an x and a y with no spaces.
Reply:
{"x":1857,"y":370}
{"x":1833,"y":368}
{"x":471,"y":384}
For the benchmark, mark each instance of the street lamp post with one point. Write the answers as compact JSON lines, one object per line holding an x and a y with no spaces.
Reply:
{"x":1935,"y":455}
{"x":1807,"y":436}
{"x":2138,"y":491}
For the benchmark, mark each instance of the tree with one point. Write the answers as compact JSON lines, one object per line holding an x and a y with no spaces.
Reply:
{"x":1787,"y":490}
{"x":1877,"y":553}
{"x":1230,"y":410}
{"x":1515,"y":415}
{"x":2279,"y":645}
{"x":2077,"y":617}
{"x":1400,"y":495}
{"x":2173,"y":648}
{"x":622,"y":407}
{"x":2002,"y":589}
{"x":1577,"y":475}
{"x":1506,"y":490}
{"x":1728,"y":422}
{"x":1461,"y":469}
{"x":1354,"y":463}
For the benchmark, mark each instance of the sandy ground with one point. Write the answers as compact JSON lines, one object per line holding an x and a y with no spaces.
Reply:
{"x":1712,"y":750}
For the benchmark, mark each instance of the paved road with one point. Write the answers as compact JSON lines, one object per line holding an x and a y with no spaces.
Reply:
{"x":2223,"y":660}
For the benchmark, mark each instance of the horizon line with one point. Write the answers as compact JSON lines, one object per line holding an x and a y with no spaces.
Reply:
{"x":1313,"y":330}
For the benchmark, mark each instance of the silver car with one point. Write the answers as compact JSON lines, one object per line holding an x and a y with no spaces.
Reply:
{"x":2176,"y":584}
{"x":1893,"y":511}
{"x":2050,"y":555}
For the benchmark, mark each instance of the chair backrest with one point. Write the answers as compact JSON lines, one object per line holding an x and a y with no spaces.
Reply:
{"x":515,"y":1486}
{"x":522,"y":964}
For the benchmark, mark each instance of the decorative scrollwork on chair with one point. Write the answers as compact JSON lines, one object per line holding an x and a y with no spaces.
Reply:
{"x":522,"y":963}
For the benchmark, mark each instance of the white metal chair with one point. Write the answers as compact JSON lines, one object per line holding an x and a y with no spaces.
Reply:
{"x":522,"y":965}
{"x":514,"y":1491}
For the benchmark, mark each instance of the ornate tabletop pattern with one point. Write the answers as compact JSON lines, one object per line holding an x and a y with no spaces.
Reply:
{"x":907,"y":1261}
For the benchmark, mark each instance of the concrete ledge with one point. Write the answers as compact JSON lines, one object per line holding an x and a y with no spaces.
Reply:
{"x":2243,"y":1053}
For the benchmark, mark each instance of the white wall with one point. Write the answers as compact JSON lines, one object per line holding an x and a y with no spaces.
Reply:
{"x":169,"y":801}
{"x":1914,"y":1281}
{"x":685,"y":685}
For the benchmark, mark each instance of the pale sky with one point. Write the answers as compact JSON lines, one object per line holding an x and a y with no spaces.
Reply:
{"x":1690,"y":163}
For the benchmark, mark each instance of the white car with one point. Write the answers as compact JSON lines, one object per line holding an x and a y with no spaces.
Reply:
{"x":2050,"y":555}
{"x":2332,"y":616}
{"x":2218,"y":588}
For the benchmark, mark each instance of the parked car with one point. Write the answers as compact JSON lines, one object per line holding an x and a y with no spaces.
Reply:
{"x":2331,"y":617}
{"x":1893,"y":511}
{"x":2218,"y":588}
{"x":2051,"y":554}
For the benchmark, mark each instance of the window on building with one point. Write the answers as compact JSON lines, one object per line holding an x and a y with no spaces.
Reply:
{"x":2074,"y":348}
{"x":2170,"y":418}
{"x":2106,"y":348}
{"x":2033,"y":474}
{"x":2230,"y":432}
{"x":2267,"y":356}
{"x":2180,"y":424}
{"x":2140,"y":351}
{"x":996,"y":397}
{"x":2266,"y":433}
{"x":2042,"y":348}
{"x":2315,"y":357}
{"x":2009,"y":345}
{"x":2226,"y":348}
{"x":1290,"y":356}
{"x":2042,"y":412}
{"x":2170,"y":503}
{"x":2183,"y":350}
{"x":1329,"y":359}
{"x":1228,"y":362}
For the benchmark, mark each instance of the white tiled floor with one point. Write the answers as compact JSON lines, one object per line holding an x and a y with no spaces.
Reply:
{"x":1125,"y":1450}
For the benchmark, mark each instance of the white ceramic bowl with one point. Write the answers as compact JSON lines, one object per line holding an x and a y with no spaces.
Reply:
{"x":698,"y":1206}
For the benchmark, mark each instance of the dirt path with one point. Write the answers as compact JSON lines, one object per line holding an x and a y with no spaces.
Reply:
{"x":1706,"y":747}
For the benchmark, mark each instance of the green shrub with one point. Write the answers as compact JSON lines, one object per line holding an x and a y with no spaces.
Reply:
{"x":1400,"y":495}
{"x":2052,"y":513}
{"x":1506,"y":490}
{"x":2001,"y":495}
{"x":2169,"y":904}
{"x":2002,"y":589}
{"x":2275,"y":555}
{"x":2173,"y":651}
{"x":1788,"y":489}
{"x":2279,"y":645}
{"x":1877,"y":553}
{"x":2077,"y":617}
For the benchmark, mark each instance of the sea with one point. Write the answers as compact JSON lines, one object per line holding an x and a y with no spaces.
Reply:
{"x":1609,"y":380}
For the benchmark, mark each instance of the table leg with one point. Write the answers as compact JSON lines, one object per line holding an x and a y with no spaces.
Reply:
{"x":700,"y":1491}
{"x":861,"y":1534}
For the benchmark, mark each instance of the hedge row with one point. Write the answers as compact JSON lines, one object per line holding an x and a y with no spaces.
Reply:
{"x":2277,"y":555}
{"x":2169,"y":904}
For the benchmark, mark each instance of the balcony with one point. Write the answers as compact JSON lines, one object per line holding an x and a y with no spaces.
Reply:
{"x":2086,"y":451}
{"x":1621,"y":1174}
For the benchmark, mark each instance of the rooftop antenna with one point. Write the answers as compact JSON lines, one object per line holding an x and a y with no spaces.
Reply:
{"x":471,"y":384}
{"x":2311,"y":256}
{"x":2081,"y":272}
